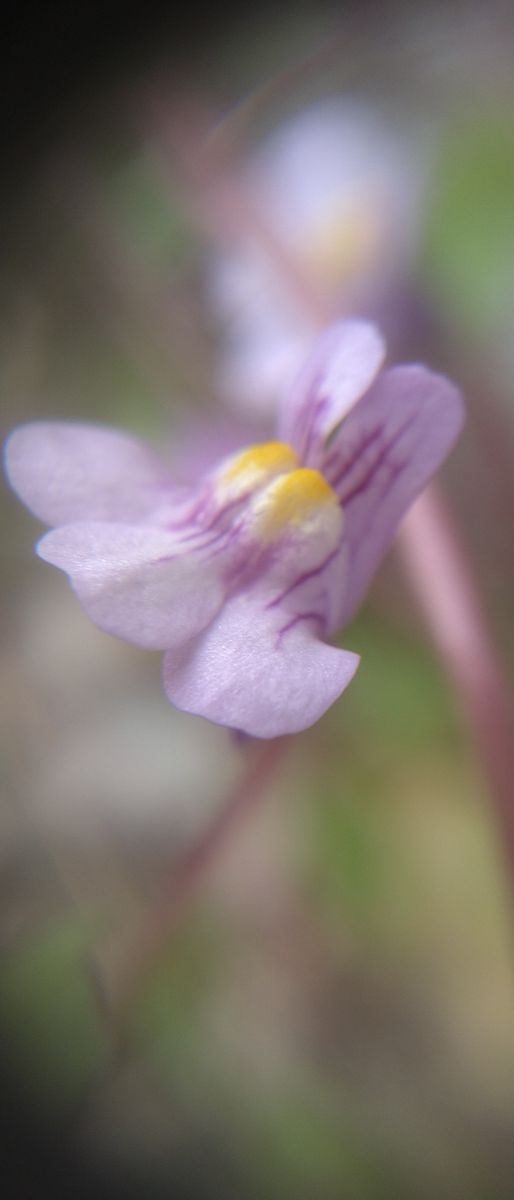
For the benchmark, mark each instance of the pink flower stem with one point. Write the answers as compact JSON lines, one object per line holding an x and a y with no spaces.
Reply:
{"x":181,"y":888}
{"x":440,"y":574}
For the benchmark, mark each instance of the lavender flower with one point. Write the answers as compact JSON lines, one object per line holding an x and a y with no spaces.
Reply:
{"x":242,"y":577}
{"x":339,"y":186}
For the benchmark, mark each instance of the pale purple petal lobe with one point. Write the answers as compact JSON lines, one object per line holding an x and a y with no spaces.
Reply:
{"x":258,"y":670}
{"x":339,"y":370}
{"x":384,"y":455}
{"x":137,"y":582}
{"x":65,"y":472}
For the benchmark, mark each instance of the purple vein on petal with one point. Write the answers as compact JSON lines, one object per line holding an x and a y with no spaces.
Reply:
{"x":298,"y":617}
{"x":381,"y":458}
{"x":304,"y":578}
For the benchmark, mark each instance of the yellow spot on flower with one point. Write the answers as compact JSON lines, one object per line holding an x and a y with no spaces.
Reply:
{"x":263,"y":459}
{"x":300,"y":498}
{"x":255,"y":466}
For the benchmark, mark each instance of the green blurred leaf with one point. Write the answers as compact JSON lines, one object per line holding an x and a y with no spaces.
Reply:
{"x":48,"y":1010}
{"x":468,"y":254}
{"x":175,"y":990}
{"x":151,"y":215}
{"x":303,"y":1149}
{"x":399,"y":698}
{"x":349,"y":865}
{"x":396,"y":724}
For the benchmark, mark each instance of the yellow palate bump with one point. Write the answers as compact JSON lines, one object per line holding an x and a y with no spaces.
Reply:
{"x":294,"y":499}
{"x":269,"y":458}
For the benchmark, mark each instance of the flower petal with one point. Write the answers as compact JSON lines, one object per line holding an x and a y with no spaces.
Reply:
{"x":340,"y":155}
{"x":258,"y":670}
{"x":387,"y":450}
{"x":340,"y":368}
{"x":137,"y":582}
{"x":65,"y":472}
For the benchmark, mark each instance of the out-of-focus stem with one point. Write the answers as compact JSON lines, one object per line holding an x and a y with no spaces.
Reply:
{"x":440,"y":574}
{"x":185,"y":881}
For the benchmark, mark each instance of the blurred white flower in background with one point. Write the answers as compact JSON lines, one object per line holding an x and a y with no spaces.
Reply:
{"x":339,"y":186}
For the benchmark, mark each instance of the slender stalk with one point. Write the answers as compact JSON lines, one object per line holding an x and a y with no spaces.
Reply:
{"x":182,"y":886}
{"x":439,"y":572}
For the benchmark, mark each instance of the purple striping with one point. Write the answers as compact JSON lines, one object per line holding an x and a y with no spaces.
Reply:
{"x":394,"y":474}
{"x":378,"y":462}
{"x":226,"y":508}
{"x":330,"y":460}
{"x":308,"y":616}
{"x":188,"y":534}
{"x":353,"y":461}
{"x":335,"y":458}
{"x":316,"y":411}
{"x":192,"y":536}
{"x":195,"y":515}
{"x":306,"y":417}
{"x":304,"y":578}
{"x":226,"y":536}
{"x":188,"y":520}
{"x":203,"y":542}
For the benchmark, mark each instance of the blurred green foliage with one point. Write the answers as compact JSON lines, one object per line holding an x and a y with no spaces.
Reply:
{"x":468,"y":252}
{"x":56,"y":1038}
{"x":149,"y":209}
